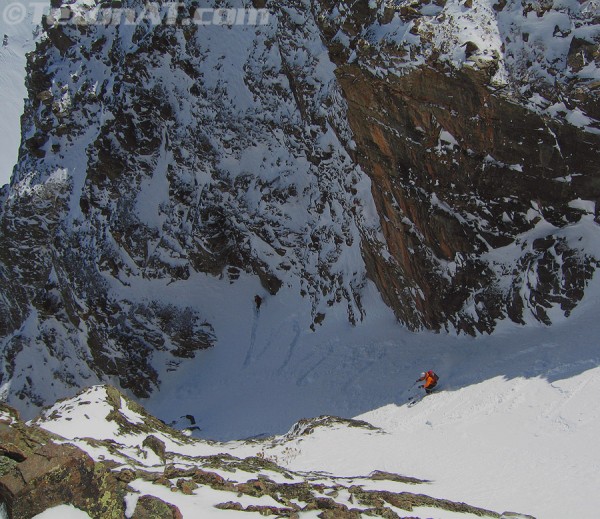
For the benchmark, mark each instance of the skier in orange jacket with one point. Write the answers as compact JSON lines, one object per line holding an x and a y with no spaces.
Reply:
{"x":430,"y":379}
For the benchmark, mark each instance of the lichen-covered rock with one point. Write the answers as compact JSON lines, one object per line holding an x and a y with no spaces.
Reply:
{"x":156,"y":445}
{"x":308,"y":426}
{"x":61,"y":474}
{"x":151,"y":507}
{"x":187,"y":486}
{"x":408,"y":501}
{"x":42,"y":474}
{"x":381,"y":475}
{"x":340,"y":513}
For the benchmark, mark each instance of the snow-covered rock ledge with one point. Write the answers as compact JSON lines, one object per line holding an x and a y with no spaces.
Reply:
{"x":102,"y":455}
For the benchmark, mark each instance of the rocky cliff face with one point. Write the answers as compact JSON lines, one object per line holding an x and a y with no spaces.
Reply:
{"x":477,"y":160}
{"x":446,"y":151}
{"x":157,"y":155}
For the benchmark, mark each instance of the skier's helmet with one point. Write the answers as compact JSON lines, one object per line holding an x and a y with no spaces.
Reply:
{"x":423,"y":374}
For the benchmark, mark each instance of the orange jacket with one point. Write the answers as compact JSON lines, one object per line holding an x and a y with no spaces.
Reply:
{"x":430,"y":379}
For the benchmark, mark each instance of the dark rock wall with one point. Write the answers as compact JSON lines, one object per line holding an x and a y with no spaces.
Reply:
{"x":457,"y":168}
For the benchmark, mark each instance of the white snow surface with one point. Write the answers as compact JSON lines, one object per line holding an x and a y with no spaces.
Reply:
{"x":62,"y":512}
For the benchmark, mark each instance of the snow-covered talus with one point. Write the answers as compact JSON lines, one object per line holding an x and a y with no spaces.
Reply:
{"x":189,"y":157}
{"x":478,"y":123}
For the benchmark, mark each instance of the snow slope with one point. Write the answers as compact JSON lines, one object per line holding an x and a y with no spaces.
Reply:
{"x":228,"y":473}
{"x":62,"y":512}
{"x":513,"y":425}
{"x":526,"y":444}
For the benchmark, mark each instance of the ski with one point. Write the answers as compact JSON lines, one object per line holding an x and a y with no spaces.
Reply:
{"x":413,"y":400}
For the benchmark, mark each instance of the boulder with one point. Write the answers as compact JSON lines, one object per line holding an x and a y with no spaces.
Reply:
{"x":61,"y":474}
{"x":155,"y":445}
{"x":36,"y":474}
{"x":150,"y":507}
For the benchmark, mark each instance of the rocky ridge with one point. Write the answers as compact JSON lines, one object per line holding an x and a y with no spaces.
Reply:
{"x":145,"y":469}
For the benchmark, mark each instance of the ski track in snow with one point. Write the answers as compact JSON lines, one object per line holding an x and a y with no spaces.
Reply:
{"x":248,"y":358}
{"x":302,"y":379}
{"x":293,"y":344}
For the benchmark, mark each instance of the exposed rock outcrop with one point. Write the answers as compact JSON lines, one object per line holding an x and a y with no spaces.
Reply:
{"x":150,"y":507}
{"x":478,"y":173}
{"x":461,"y":167}
{"x":44,"y":473}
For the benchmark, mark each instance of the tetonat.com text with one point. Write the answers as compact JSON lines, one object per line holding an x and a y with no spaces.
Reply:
{"x":153,"y":13}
